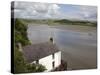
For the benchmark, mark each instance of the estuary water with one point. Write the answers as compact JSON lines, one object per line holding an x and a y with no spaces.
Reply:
{"x":78,"y":44}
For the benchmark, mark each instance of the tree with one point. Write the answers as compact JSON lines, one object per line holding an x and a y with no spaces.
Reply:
{"x":19,"y":62}
{"x":20,"y":65}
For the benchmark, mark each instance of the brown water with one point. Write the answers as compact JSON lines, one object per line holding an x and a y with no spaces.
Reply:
{"x":77,"y":43}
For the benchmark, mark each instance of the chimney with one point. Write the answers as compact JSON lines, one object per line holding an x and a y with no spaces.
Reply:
{"x":51,"y":40}
{"x":20,"y":47}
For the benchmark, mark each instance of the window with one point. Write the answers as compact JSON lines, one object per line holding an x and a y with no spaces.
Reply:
{"x":53,"y":64}
{"x":53,"y":56}
{"x":37,"y":61}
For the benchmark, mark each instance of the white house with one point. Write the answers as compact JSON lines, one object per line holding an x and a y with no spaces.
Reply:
{"x":46,"y":54}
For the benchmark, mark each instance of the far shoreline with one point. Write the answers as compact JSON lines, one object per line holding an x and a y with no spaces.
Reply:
{"x":78,"y":28}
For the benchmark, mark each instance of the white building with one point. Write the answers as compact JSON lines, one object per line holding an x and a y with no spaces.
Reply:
{"x":46,"y":54}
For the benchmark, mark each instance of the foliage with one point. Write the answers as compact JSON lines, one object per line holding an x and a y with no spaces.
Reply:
{"x":35,"y":68}
{"x":20,"y":65}
{"x":40,"y":68}
{"x":21,"y":33}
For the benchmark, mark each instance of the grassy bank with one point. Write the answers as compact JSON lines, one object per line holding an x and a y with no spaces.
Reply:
{"x":60,"y":22}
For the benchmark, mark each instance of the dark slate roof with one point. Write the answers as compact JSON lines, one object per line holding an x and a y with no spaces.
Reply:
{"x":37,"y":51}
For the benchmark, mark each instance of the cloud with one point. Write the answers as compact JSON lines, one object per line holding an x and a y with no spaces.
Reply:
{"x":87,"y":12}
{"x":54,"y":11}
{"x":35,"y":10}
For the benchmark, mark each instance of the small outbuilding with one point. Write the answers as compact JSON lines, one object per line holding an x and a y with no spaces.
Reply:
{"x":46,"y":54}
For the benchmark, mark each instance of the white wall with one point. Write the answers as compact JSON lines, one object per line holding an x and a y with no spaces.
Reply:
{"x":47,"y":61}
{"x":57,"y":59}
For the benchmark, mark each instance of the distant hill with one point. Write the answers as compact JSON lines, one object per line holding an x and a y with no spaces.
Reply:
{"x":61,"y":22}
{"x":73,"y":22}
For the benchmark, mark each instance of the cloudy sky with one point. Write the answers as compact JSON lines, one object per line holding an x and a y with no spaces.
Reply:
{"x":32,"y":10}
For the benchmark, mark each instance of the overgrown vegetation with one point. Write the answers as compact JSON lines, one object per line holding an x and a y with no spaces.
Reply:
{"x":21,"y":33}
{"x":20,"y":64}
